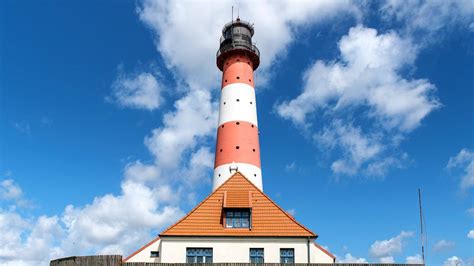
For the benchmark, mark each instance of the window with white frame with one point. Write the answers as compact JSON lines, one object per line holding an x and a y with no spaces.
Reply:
{"x":198,"y":255}
{"x":154,"y":254}
{"x":237,"y":218}
{"x":287,"y":255}
{"x":256,"y":255}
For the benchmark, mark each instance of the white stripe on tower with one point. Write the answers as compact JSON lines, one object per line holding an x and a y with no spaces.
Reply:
{"x":238,"y":104}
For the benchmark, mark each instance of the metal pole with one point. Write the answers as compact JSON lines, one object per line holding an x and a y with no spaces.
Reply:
{"x":421,"y":226}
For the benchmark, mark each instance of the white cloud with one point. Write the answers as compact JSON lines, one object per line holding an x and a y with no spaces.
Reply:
{"x":37,"y":237}
{"x":464,"y":161}
{"x":470,"y":234}
{"x":443,"y":245}
{"x":388,"y":259}
{"x":110,"y":224}
{"x":125,"y":219}
{"x":387,"y":248}
{"x":9,"y":190}
{"x":429,"y":18}
{"x":356,"y":147}
{"x":416,"y":259}
{"x":367,"y":79}
{"x":194,"y":118}
{"x":140,"y":91}
{"x":453,"y":261}
{"x":191,"y":52}
{"x":348,"y":258}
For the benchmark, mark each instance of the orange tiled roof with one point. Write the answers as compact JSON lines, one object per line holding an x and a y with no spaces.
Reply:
{"x":268,"y":219}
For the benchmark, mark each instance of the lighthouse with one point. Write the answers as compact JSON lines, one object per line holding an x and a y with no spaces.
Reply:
{"x":237,"y":142}
{"x":237,"y":222}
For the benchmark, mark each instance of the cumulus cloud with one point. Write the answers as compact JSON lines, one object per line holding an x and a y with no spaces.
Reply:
{"x":428,"y":18}
{"x":470,"y":234}
{"x":110,"y":224}
{"x":388,"y":259}
{"x":281,"y":20}
{"x":9,"y":190}
{"x":356,"y":147}
{"x":384,"y":249}
{"x":37,"y":236}
{"x":416,"y":259}
{"x":194,"y":118}
{"x":368,"y":80}
{"x":348,"y":258}
{"x":443,"y":245}
{"x":142,"y":91}
{"x":453,"y":261}
{"x":463,"y":161}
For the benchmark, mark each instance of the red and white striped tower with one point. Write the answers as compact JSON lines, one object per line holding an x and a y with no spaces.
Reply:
{"x":237,"y":147}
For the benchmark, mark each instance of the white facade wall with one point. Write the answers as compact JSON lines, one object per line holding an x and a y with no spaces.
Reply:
{"x":144,"y":254}
{"x":173,"y":249}
{"x":236,"y":250}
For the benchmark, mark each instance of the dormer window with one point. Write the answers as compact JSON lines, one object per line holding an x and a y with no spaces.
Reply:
{"x":237,"y":218}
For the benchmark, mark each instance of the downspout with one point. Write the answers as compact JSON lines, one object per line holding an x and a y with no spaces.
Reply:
{"x":309,"y":253}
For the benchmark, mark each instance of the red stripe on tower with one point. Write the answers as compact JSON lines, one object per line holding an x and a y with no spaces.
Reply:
{"x":237,"y":147}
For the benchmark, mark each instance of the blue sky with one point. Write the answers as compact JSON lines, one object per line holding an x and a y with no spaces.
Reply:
{"x":108,"y":115}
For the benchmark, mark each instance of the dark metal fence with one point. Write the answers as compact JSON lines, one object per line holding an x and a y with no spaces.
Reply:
{"x":99,"y":260}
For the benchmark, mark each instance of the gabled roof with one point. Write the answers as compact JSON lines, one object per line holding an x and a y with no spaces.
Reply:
{"x":267,"y":220}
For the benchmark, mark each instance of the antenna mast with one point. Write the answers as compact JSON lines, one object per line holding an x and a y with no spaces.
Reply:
{"x":421,"y":225}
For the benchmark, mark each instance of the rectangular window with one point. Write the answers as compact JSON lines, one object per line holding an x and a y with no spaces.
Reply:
{"x":256,"y":255}
{"x":198,"y":255}
{"x":237,"y":218}
{"x":287,"y":255}
{"x":154,"y":254}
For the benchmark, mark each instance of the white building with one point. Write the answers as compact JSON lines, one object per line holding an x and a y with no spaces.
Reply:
{"x":236,"y":223}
